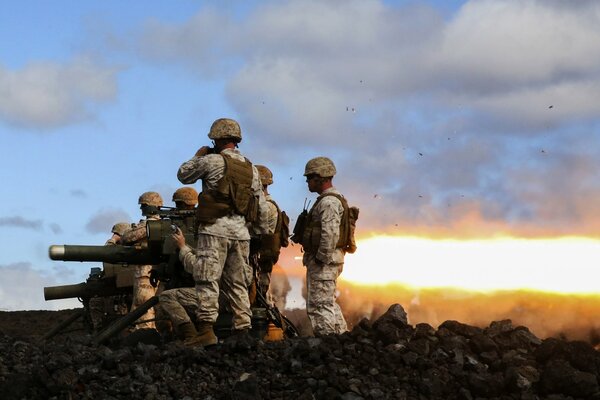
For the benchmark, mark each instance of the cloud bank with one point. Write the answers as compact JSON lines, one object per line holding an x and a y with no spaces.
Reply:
{"x":47,"y":95}
{"x":485,"y":122}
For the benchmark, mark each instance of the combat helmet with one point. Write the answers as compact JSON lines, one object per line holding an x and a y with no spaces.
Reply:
{"x":187,"y":195}
{"x":151,"y":199}
{"x":321,"y":166}
{"x":225,"y":128}
{"x":120,"y":227}
{"x":266,"y":176}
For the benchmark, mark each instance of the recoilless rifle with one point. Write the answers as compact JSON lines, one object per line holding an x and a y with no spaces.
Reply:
{"x":160,"y":251}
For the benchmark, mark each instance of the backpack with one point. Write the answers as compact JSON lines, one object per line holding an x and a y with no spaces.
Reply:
{"x":285,"y":230}
{"x":347,"y":241}
{"x":348,"y":226}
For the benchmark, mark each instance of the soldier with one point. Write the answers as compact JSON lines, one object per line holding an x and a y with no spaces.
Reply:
{"x":268,"y":246}
{"x":179,"y":303}
{"x":323,"y":252}
{"x":142,"y":288}
{"x":99,"y":305}
{"x":231,"y":200}
{"x":185,"y":198}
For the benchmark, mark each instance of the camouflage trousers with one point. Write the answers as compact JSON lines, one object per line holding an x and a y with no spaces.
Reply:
{"x":223,"y":262}
{"x":324,"y":312}
{"x":265,"y":268}
{"x":179,"y":304}
{"x":142,"y":292}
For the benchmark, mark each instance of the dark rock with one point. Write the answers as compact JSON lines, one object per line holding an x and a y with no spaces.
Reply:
{"x":388,"y":359}
{"x":457,"y":328}
{"x":559,"y":376}
{"x":392,"y":327}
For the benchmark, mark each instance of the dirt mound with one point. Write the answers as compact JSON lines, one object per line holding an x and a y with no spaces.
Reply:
{"x":383,"y":359}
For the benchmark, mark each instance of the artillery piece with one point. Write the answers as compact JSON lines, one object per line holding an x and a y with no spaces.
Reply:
{"x":159,"y":251}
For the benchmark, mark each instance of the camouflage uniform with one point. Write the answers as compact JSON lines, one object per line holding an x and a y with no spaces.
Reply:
{"x":266,"y":263}
{"x":222,"y":249}
{"x":142,"y":289}
{"x":179,"y":304}
{"x":323,"y":267}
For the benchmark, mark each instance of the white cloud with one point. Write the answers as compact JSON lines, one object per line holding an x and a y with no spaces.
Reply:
{"x":374,"y":85}
{"x":47,"y":95}
{"x":22,"y":288}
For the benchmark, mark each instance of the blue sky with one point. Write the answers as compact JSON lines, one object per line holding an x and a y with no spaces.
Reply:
{"x":445,"y":119}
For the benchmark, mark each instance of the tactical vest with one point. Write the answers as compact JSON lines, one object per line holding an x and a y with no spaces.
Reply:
{"x":311,"y":236}
{"x":271,"y":244}
{"x":233,"y":194}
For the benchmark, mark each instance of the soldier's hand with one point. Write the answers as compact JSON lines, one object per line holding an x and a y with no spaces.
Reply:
{"x":202,"y":151}
{"x":178,"y":238}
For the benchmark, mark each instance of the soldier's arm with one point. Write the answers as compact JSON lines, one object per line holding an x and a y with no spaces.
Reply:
{"x":192,"y":170}
{"x":189,"y":259}
{"x":331,"y":217}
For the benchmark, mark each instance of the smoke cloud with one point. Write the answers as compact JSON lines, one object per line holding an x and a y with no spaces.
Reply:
{"x":20,"y":222}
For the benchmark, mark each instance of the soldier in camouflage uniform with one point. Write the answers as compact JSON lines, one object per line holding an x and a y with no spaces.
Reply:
{"x":232,"y":200}
{"x":98,"y":305}
{"x":267,"y":246}
{"x":323,"y":258}
{"x":142,"y":288}
{"x":179,"y":303}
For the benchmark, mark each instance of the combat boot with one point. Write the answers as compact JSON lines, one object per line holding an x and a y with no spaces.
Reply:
{"x":186,"y":331}
{"x":205,"y":336}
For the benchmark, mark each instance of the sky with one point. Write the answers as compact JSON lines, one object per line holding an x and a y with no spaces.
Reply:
{"x":449,"y":120}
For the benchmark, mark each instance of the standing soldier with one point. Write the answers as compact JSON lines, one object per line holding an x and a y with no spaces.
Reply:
{"x":142,"y":288}
{"x":268,"y":246}
{"x":323,"y":248}
{"x":231,"y":198}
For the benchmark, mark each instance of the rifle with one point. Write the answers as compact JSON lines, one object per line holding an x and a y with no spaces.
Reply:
{"x":273,"y":314}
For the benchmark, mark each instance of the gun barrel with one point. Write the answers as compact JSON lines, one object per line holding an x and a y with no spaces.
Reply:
{"x":85,"y":290}
{"x":110,"y":254}
{"x":64,"y":292}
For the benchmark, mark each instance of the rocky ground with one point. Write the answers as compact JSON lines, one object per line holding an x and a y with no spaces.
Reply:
{"x":382,"y":359}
